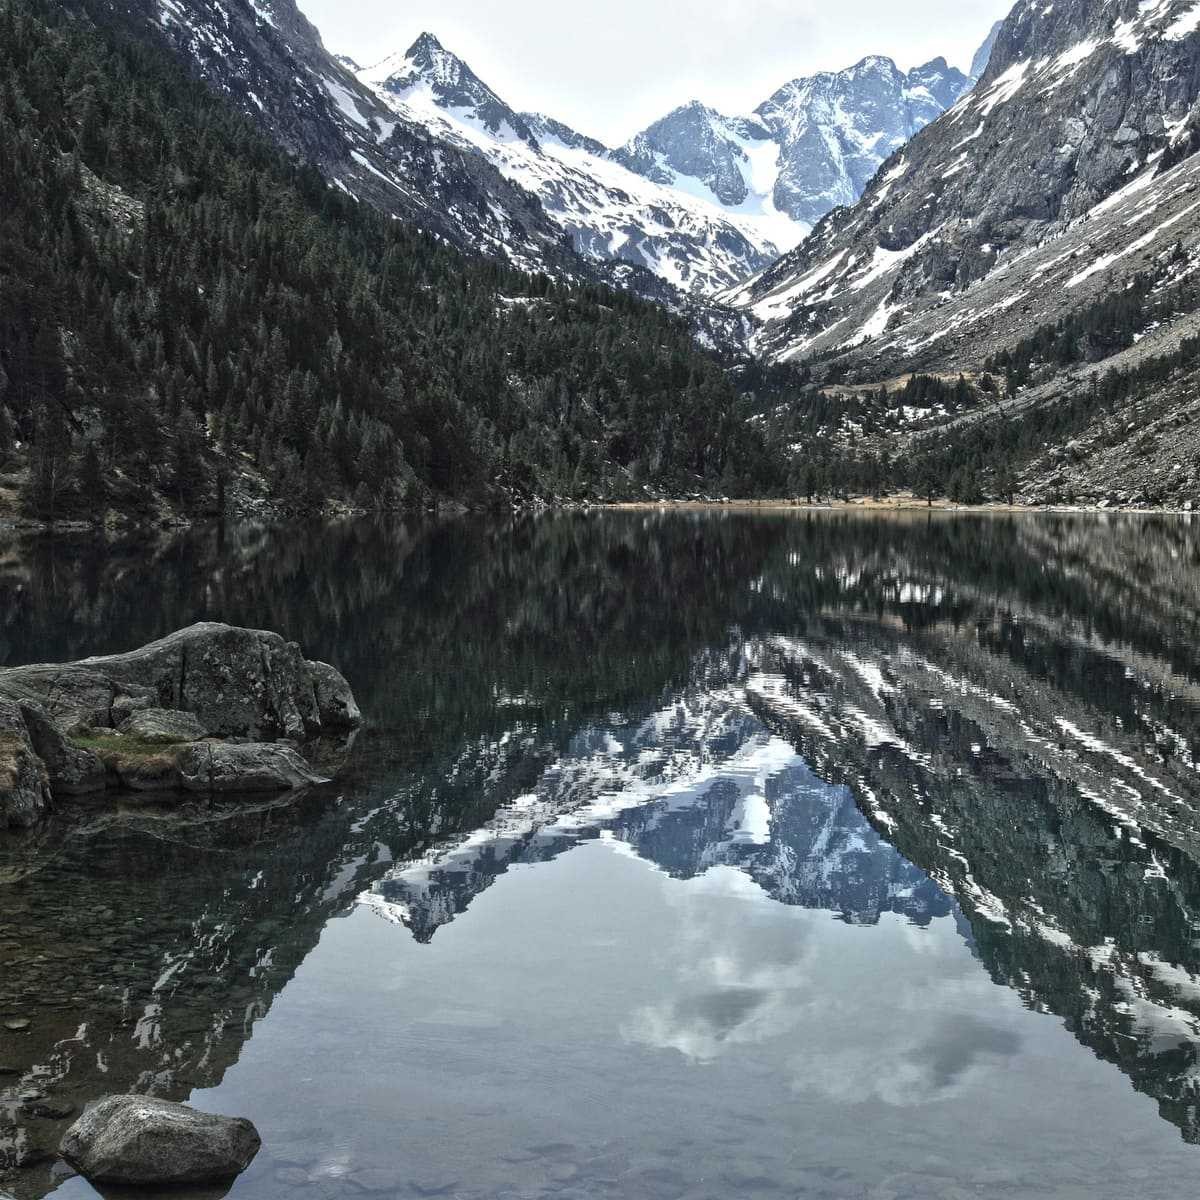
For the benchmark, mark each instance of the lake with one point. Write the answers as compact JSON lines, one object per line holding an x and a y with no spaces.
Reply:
{"x":683,"y":855}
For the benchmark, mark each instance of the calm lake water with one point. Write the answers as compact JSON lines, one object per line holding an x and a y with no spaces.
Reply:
{"x":695,"y":855}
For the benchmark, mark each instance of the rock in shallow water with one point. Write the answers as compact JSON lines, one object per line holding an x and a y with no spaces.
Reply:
{"x":252,"y":767}
{"x":24,"y":781}
{"x":237,"y":682}
{"x":208,"y":681}
{"x":136,"y":1140}
{"x":164,"y":725}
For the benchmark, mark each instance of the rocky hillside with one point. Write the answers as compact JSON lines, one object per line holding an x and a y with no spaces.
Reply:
{"x":1078,"y":107}
{"x":998,"y":233}
{"x":192,"y":322}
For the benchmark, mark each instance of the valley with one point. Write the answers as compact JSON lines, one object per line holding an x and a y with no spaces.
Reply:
{"x":599,"y":603}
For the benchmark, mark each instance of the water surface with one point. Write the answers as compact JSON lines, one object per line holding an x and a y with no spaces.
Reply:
{"x":689,"y":855}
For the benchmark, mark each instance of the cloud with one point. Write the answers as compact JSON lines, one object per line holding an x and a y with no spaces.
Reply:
{"x":889,"y":1013}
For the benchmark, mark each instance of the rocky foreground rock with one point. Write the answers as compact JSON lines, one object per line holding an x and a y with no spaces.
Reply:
{"x":209,"y":709}
{"x":140,"y":1141}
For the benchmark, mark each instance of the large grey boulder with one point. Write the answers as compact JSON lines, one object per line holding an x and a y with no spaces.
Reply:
{"x":253,"y":767}
{"x":237,"y":682}
{"x":24,"y":780}
{"x":140,"y":1141}
{"x":163,"y":725}
{"x":140,"y":720}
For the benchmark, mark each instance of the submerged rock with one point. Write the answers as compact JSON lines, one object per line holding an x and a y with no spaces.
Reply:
{"x":132,"y":720}
{"x":140,"y":1141}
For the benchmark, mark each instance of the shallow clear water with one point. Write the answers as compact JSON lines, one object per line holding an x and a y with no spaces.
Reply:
{"x":700,"y":855}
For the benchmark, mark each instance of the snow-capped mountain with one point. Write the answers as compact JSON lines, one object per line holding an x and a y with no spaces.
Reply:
{"x":607,"y":211}
{"x":700,"y":198}
{"x":1044,"y":188}
{"x":270,"y":61}
{"x":813,"y":145}
{"x":697,"y":203}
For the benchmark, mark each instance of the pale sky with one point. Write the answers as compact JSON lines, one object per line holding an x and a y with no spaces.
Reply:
{"x":609,"y":69}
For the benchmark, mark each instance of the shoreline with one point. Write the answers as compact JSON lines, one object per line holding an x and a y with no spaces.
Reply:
{"x":19,"y":526}
{"x":895,"y":504}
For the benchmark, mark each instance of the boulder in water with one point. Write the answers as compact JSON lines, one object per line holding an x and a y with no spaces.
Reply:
{"x":147,"y":720}
{"x":251,"y":767}
{"x":140,"y":1141}
{"x":24,"y":780}
{"x":237,"y":682}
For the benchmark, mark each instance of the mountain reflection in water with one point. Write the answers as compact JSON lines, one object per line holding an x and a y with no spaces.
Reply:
{"x":985,"y":725}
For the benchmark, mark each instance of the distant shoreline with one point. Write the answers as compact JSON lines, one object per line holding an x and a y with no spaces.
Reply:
{"x":905,"y":504}
{"x":909,"y":505}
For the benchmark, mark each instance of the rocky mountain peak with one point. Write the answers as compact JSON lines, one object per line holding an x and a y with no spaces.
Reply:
{"x":426,"y":45}
{"x":429,"y":72}
{"x":696,"y":141}
{"x":872,"y":64}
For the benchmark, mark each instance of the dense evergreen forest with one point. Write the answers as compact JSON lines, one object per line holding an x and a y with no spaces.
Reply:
{"x":188,"y":318}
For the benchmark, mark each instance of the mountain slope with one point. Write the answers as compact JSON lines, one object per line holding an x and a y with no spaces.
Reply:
{"x":189,"y":321}
{"x":269,"y":60}
{"x":603,"y":210}
{"x":1079,"y":100}
{"x":1041,"y":240}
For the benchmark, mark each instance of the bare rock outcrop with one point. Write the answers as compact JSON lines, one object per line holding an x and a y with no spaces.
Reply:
{"x":24,"y":780}
{"x":139,"y":1141}
{"x":215,"y":767}
{"x":160,"y":719}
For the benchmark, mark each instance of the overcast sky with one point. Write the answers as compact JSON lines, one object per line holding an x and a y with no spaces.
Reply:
{"x":610,"y":68}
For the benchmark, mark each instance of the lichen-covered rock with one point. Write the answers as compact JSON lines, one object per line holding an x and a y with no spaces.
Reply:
{"x":139,"y":720}
{"x":164,"y":725}
{"x":69,"y":694}
{"x":134,"y":700}
{"x":24,"y":780}
{"x":139,"y":1141}
{"x":237,"y":682}
{"x":72,"y":771}
{"x":250,"y":767}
